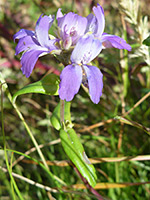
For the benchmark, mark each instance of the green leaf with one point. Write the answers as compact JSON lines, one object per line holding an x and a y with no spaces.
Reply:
{"x":75,"y":151}
{"x":55,"y":118}
{"x":48,"y":85}
{"x":133,"y":123}
{"x":147,"y":41}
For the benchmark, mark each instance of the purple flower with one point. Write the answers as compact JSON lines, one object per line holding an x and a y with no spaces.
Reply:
{"x":96,"y":25}
{"x":70,"y":28}
{"x":79,"y":72}
{"x":85,"y":36}
{"x":34,"y":43}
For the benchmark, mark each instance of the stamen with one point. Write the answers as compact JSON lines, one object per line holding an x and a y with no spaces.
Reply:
{"x":73,"y":31}
{"x":84,"y":78}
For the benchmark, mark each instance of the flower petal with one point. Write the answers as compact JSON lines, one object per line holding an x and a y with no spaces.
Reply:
{"x":71,"y":25}
{"x":99,"y":13}
{"x":95,"y":82}
{"x":22,"y":33}
{"x":71,"y":78}
{"x":94,"y":50}
{"x":109,"y":41}
{"x":78,"y":28}
{"x":28,"y":61}
{"x":86,"y":49}
{"x":42,"y":27}
{"x":65,"y":22}
{"x":92,"y":24}
{"x":26,"y":43}
{"x":59,"y":14}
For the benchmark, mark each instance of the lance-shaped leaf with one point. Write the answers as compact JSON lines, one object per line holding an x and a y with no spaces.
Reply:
{"x":133,"y":123}
{"x":75,"y":151}
{"x":48,"y":85}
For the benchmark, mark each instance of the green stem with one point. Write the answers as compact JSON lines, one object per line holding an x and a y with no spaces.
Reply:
{"x":25,"y":125}
{"x":126,"y":74}
{"x":12,"y":186}
{"x":27,"y":129}
{"x":5,"y":151}
{"x":30,"y":133}
{"x":62,"y":109}
{"x":117,"y":175}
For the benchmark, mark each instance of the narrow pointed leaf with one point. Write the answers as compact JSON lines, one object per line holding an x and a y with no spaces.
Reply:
{"x":75,"y":151}
{"x":48,"y":85}
{"x":133,"y":123}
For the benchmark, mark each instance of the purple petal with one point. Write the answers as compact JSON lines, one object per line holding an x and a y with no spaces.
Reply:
{"x":59,"y":14}
{"x":99,"y":13}
{"x":78,"y":28}
{"x":114,"y":41}
{"x":42,"y":27}
{"x":26,"y":43}
{"x":86,"y":49}
{"x":65,"y":20}
{"x":94,"y":50}
{"x":71,"y":25}
{"x":22,"y":33}
{"x":81,"y":48}
{"x":95,"y":82}
{"x":52,"y":46}
{"x":92,"y":24}
{"x":28,"y":61}
{"x":71,"y":78}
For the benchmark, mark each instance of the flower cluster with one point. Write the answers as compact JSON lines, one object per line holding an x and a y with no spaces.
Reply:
{"x":84,"y":37}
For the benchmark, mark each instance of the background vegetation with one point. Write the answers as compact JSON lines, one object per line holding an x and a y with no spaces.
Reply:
{"x":126,"y":86}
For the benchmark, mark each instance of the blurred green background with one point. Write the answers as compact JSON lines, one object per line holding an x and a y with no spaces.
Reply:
{"x":126,"y":81}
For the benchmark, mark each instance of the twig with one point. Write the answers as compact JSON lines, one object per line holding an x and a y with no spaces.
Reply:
{"x":65,"y":163}
{"x":137,"y":104}
{"x":111,"y":120}
{"x":110,"y":185}
{"x":34,"y":149}
{"x":88,"y":186}
{"x":96,"y":125}
{"x":30,"y":181}
{"x":47,"y":188}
